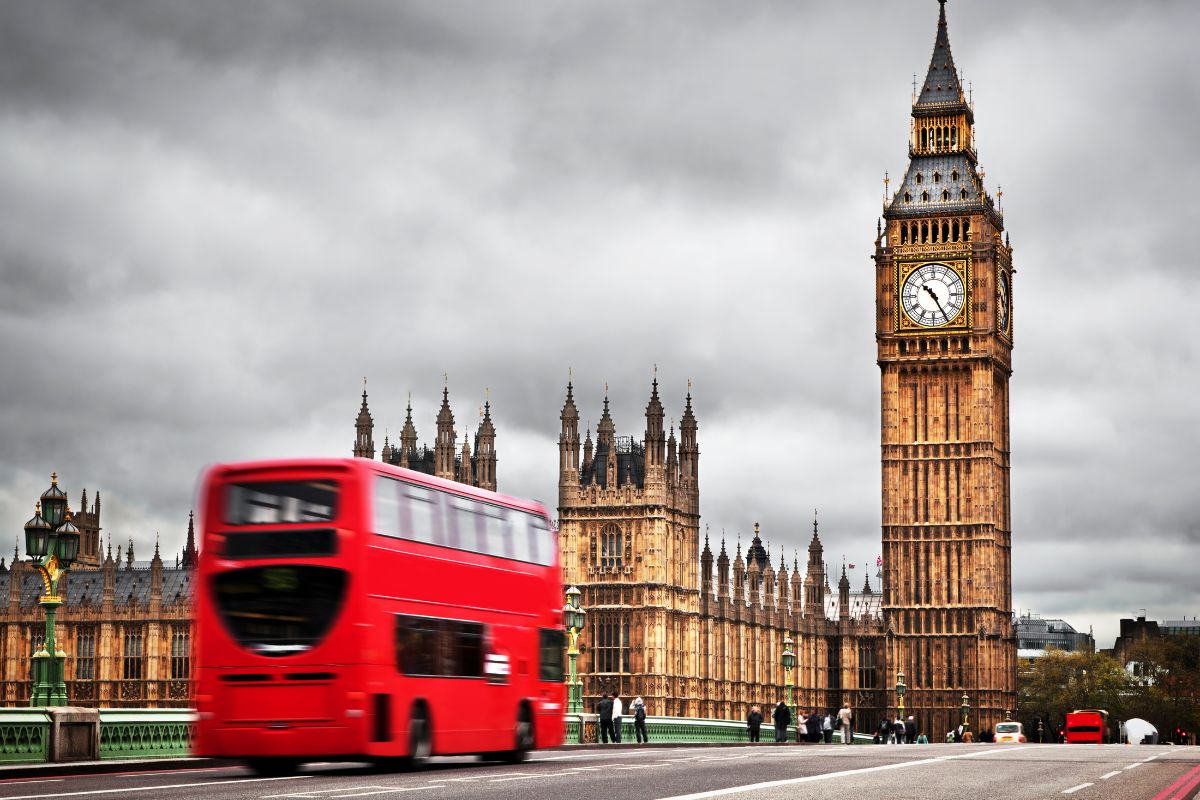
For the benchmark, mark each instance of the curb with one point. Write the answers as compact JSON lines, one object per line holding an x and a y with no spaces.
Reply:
{"x":111,"y":766}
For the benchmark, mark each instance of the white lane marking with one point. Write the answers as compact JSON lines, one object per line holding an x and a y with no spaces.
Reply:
{"x":1075,"y":789}
{"x":40,"y":780}
{"x":462,"y":780}
{"x":1108,"y":775}
{"x":156,"y":788}
{"x":1131,"y":766}
{"x":1151,"y":758}
{"x":321,"y":792}
{"x":387,"y":791}
{"x":750,"y":787}
{"x":527,"y":777}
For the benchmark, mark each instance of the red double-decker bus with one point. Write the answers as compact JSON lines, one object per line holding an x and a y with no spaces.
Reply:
{"x":1087,"y":726}
{"x":347,"y":609}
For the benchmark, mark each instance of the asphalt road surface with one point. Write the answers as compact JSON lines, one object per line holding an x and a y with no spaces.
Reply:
{"x":761,"y":772}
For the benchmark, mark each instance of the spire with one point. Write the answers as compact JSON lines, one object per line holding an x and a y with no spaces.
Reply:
{"x":189,"y":549}
{"x":941,"y":85}
{"x":364,"y":426}
{"x":655,"y":443}
{"x":444,"y":445}
{"x":605,"y":431}
{"x":129,"y":555}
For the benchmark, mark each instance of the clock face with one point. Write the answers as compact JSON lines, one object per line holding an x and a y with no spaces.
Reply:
{"x":933,"y":295}
{"x":1002,"y":300}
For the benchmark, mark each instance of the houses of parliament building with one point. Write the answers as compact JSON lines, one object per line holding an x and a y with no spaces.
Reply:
{"x":697,"y":641}
{"x":125,"y":624}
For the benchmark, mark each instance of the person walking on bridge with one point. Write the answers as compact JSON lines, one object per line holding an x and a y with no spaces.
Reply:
{"x":844,"y":719}
{"x":783,"y":718}
{"x":605,"y":711}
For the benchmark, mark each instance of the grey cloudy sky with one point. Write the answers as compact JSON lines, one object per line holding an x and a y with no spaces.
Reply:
{"x":217,"y":217}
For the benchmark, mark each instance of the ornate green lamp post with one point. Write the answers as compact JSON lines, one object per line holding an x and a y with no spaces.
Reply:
{"x":574,"y":617}
{"x":52,"y":544}
{"x":788,"y":659}
{"x":900,"y":688}
{"x":966,"y":712}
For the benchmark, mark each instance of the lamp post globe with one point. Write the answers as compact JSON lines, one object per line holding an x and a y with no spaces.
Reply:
{"x":37,"y":535}
{"x":54,"y":502}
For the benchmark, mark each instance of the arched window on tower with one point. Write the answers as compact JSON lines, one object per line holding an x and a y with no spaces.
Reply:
{"x":612,"y":547}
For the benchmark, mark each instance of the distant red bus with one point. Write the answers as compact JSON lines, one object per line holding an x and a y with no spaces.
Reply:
{"x":347,"y":609}
{"x":1087,"y":726}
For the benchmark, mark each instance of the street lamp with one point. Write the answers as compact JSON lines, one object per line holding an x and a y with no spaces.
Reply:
{"x":788,"y":659}
{"x":966,"y":711}
{"x":574,"y":617}
{"x":52,"y":544}
{"x":900,"y":687}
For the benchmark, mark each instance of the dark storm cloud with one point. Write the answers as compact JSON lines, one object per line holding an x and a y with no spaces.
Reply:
{"x":219,"y":216}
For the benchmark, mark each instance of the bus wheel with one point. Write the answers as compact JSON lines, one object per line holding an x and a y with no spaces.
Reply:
{"x":420,"y":740}
{"x":522,"y":737}
{"x":273,"y":767}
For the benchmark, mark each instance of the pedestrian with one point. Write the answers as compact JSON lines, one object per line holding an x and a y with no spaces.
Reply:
{"x":845,"y":717}
{"x":783,"y":718}
{"x":898,"y":730}
{"x":958,"y":733}
{"x":885,"y":731}
{"x":910,"y":730}
{"x":639,"y":721}
{"x":827,"y":727}
{"x":616,"y":713}
{"x":801,"y":725}
{"x":605,"y":711}
{"x":754,"y":722}
{"x":814,"y":728}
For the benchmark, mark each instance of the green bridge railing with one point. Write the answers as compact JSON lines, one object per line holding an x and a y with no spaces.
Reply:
{"x":134,"y":733}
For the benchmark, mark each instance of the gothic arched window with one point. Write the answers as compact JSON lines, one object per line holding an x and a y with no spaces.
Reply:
{"x":610,"y":644}
{"x":612,"y":547}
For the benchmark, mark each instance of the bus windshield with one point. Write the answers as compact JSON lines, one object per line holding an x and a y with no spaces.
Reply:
{"x":279,"y":610}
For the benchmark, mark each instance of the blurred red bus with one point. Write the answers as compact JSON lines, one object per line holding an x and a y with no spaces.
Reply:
{"x":347,"y":609}
{"x":1087,"y":726}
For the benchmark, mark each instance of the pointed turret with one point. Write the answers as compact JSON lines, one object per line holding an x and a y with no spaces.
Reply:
{"x":655,"y":441}
{"x":190,"y":553}
{"x":408,"y":437}
{"x":723,"y":570}
{"x":587,"y":451}
{"x":485,"y":450}
{"x":465,"y":473}
{"x":364,"y":429}
{"x":672,"y":466}
{"x":689,"y":451}
{"x":814,"y":581}
{"x":706,"y":569}
{"x":386,"y":453}
{"x":568,"y":444}
{"x":844,"y":594}
{"x":443,"y":448}
{"x":606,"y":431}
{"x":129,"y":555}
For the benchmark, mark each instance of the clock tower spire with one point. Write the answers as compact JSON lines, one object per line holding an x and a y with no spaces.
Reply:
{"x":944,"y":333}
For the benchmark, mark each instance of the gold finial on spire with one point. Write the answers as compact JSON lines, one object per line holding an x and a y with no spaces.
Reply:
{"x":54,"y":479}
{"x":689,"y":385}
{"x":570,"y":375}
{"x":655,"y":370}
{"x":606,"y":388}
{"x":446,"y":380}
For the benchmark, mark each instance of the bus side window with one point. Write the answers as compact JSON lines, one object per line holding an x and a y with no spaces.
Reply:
{"x":495,"y":531}
{"x":544,"y":539}
{"x":463,"y":649}
{"x":387,"y":507}
{"x":422,"y":511}
{"x":463,"y":515}
{"x":417,"y":642}
{"x":519,"y":535}
{"x":552,"y":647}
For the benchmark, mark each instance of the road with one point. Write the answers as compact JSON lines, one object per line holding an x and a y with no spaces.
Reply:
{"x":764,"y":772}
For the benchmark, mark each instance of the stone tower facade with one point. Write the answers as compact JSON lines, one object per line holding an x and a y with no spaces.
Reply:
{"x":944,"y":282}
{"x":662,"y":623}
{"x":447,"y":458}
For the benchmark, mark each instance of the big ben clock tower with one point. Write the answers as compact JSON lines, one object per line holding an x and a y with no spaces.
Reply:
{"x":944,"y":327}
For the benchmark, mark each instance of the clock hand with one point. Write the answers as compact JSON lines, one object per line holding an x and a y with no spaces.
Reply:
{"x":933,"y":294}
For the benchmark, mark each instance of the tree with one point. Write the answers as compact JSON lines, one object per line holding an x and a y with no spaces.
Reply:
{"x":1050,"y":687}
{"x":1167,"y":670}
